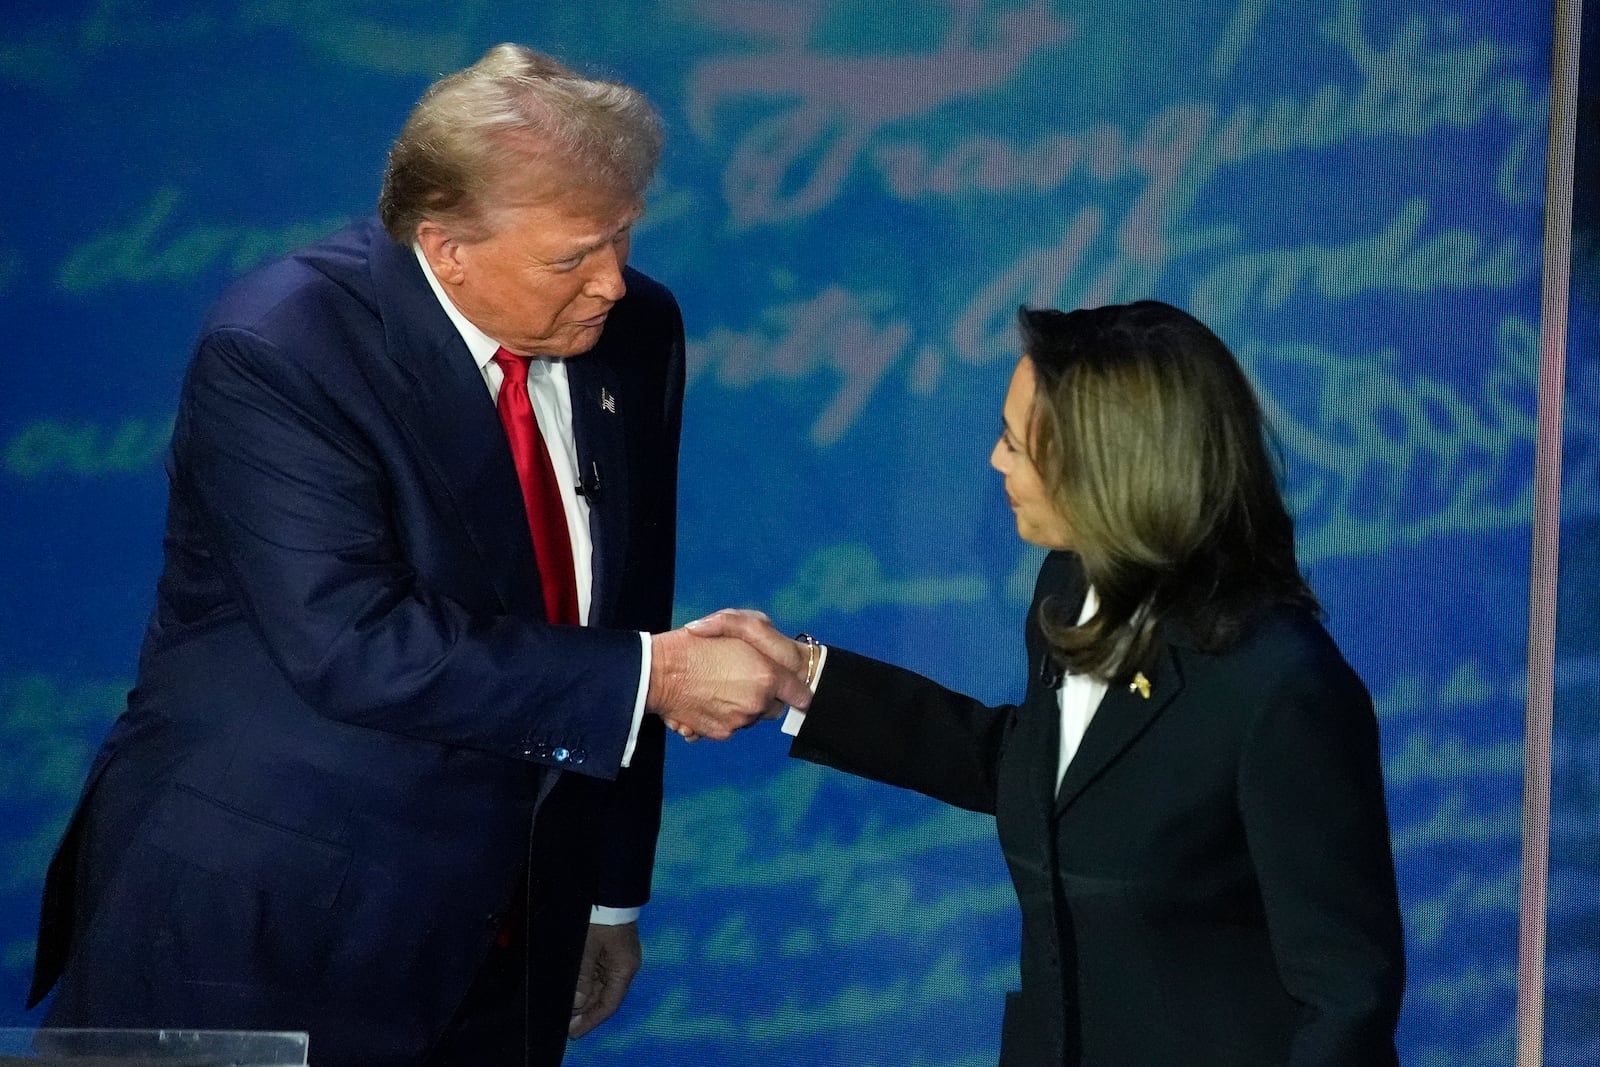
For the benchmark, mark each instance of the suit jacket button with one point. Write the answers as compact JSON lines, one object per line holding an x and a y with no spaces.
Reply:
{"x":578,"y":756}
{"x":562,"y":755}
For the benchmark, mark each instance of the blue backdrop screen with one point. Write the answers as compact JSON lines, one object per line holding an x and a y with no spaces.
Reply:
{"x":854,"y":199}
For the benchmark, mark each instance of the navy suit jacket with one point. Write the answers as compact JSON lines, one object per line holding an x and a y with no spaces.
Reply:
{"x":1212,"y":883}
{"x":316,"y":809}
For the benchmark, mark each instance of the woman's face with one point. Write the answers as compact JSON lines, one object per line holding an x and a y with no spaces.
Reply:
{"x":1038,"y":521}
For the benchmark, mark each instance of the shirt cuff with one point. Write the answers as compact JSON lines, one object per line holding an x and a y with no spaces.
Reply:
{"x":600,"y":915}
{"x":638,"y":707}
{"x":794,"y":718}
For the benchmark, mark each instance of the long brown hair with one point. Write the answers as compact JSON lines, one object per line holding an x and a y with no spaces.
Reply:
{"x":1150,"y":440}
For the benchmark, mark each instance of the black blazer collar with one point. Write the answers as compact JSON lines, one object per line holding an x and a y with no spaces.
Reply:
{"x":1125,"y":712}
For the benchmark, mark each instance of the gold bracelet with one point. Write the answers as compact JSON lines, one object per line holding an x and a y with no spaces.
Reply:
{"x":813,"y":656}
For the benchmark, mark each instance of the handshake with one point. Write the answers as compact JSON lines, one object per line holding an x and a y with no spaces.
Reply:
{"x":717,"y":675}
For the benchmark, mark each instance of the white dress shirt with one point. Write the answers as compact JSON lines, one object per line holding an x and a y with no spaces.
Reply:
{"x":1078,"y":698}
{"x":551,"y":398}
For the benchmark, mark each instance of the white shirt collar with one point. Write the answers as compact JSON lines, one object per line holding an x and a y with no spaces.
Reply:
{"x":481,"y":345}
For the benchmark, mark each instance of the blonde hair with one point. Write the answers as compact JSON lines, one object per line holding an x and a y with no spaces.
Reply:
{"x":490,"y":133}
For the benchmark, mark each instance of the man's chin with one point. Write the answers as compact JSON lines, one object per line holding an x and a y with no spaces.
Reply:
{"x":573,"y":340}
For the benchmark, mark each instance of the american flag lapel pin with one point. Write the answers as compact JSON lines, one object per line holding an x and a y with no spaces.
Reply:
{"x":607,"y":401}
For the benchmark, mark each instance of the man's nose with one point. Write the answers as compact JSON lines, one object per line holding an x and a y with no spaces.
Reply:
{"x":605,"y":277}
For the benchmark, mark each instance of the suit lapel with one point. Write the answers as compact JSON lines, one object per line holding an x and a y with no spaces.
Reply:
{"x":1124,"y":714}
{"x":599,"y":417}
{"x":447,"y":411}
{"x":1039,"y":718}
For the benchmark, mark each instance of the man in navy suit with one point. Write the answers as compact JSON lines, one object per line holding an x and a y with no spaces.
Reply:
{"x":391,"y":771}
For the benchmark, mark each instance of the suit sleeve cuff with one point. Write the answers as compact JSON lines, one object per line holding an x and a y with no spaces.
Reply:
{"x":599,"y":915}
{"x":794,"y":718}
{"x":638,"y":707}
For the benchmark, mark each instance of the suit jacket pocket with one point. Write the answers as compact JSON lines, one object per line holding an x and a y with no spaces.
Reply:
{"x":243,"y":848}
{"x":1088,"y":885}
{"x":1123,"y":969}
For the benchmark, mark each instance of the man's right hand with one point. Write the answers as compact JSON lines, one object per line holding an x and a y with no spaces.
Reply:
{"x":715,"y":686}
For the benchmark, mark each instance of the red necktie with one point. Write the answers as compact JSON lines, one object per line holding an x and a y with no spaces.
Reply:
{"x":541,"y":496}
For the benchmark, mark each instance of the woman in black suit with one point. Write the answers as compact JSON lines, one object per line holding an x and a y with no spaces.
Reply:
{"x":1189,"y":797}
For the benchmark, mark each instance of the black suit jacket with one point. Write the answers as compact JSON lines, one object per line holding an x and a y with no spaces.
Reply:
{"x":316,"y":810}
{"x":1211,"y":886}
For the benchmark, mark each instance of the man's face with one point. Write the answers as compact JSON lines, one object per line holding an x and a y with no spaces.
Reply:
{"x":545,"y":279}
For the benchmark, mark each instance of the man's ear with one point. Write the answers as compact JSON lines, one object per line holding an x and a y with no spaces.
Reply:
{"x":442,"y":251}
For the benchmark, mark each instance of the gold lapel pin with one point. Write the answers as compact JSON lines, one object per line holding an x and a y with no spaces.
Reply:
{"x":1140,"y":685}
